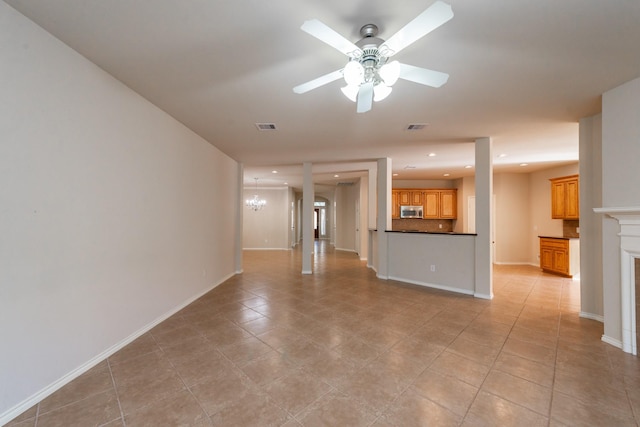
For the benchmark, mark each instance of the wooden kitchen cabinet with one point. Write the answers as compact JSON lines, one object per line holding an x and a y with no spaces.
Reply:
{"x":565,"y":193}
{"x":436,"y":203}
{"x":395,"y":204}
{"x":410,"y":197}
{"x":440,"y":204}
{"x":560,"y":255}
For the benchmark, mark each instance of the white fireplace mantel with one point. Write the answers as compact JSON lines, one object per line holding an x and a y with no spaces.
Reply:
{"x":629,"y":220}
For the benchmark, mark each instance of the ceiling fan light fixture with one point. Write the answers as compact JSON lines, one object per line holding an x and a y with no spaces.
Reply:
{"x":381,"y":91}
{"x":390,"y":72}
{"x":351,"y":92}
{"x":368,"y":73}
{"x":353,"y":73}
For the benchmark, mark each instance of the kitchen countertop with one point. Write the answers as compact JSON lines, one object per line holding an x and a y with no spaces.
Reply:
{"x":560,"y":237}
{"x":451,"y":233}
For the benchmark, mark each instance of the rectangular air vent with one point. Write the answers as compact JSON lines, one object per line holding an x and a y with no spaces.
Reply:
{"x":266,"y":126}
{"x":417,"y":126}
{"x":345,"y":184}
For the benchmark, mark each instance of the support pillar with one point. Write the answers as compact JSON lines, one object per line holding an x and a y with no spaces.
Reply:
{"x":484,"y":214}
{"x":308,"y":238}
{"x":239,"y":219}
{"x":383,"y":220}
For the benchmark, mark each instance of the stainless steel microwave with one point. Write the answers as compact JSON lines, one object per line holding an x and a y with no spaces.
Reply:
{"x":411,"y":212}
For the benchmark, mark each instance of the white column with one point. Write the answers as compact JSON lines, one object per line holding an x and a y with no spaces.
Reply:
{"x":484,"y":207}
{"x":308,"y":198}
{"x":383,"y":221}
{"x":239,"y":219}
{"x":372,"y":195}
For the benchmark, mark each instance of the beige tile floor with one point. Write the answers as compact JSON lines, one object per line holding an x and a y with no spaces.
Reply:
{"x":342,"y":348}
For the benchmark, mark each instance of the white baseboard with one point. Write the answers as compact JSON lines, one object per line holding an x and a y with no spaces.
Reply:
{"x":345,"y":250}
{"x":266,"y":249}
{"x":18,"y":409}
{"x":592,"y":316}
{"x":511,"y":263}
{"x":433,"y":285}
{"x":614,"y":342}
{"x":483,"y":296}
{"x":516,"y":263}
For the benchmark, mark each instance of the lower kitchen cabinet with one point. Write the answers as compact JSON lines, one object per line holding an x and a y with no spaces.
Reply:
{"x":560,"y":255}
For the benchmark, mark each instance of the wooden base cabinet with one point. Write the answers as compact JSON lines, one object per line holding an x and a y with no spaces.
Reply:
{"x":560,"y":255}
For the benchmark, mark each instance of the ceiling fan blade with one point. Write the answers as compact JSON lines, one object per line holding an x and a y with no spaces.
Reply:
{"x":423,"y":75}
{"x":320,"y":81}
{"x":322,"y":32}
{"x":435,"y":15}
{"x":365,"y":97}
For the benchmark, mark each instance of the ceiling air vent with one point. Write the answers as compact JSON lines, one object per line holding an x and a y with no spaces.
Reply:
{"x":416,"y":126}
{"x":345,"y":184}
{"x":266,"y":126}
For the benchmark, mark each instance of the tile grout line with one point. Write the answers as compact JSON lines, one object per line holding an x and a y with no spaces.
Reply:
{"x":496,"y":358}
{"x":115,"y":389}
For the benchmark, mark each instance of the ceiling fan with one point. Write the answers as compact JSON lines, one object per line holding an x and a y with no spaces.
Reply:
{"x":369,"y":74}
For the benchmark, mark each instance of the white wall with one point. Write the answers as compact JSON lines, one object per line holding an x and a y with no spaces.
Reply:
{"x":345,"y":198}
{"x":591,"y":302}
{"x":112,"y":214}
{"x":620,"y":178}
{"x":412,"y":255}
{"x":364,"y":218}
{"x":466,"y":188}
{"x":512,"y":218}
{"x":424,"y":183}
{"x":268,"y":228}
{"x":540,"y":204}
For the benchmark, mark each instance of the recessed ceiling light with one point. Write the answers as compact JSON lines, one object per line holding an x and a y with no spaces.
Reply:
{"x":286,"y":183}
{"x":274,"y":171}
{"x":524,"y":164}
{"x":395,"y":174}
{"x":447,"y":174}
{"x":468,"y":167}
{"x":502,"y":155}
{"x":431,"y":154}
{"x":336,"y":176}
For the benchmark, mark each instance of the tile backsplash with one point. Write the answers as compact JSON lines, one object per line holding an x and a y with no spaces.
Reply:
{"x":432,"y":225}
{"x":570,"y":228}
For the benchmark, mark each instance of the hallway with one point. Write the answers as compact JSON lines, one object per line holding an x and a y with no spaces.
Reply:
{"x":342,"y":348}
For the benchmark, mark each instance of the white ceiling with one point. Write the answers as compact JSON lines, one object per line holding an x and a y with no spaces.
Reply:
{"x":522,"y":72}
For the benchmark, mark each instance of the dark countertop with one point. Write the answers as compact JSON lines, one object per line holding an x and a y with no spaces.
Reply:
{"x":451,"y":233}
{"x":560,"y":237}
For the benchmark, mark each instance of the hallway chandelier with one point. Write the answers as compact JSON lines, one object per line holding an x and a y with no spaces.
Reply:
{"x":256,"y":203}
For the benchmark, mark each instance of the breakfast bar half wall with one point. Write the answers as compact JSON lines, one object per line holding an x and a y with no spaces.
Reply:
{"x":438,"y":260}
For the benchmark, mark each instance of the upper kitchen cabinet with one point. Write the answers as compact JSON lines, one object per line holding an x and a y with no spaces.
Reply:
{"x":440,"y":204}
{"x":410,"y":197}
{"x":565,"y":197}
{"x":395,"y":204}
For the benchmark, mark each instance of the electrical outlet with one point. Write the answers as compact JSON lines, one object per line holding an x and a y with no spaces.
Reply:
{"x":578,"y":230}
{"x":439,"y":225}
{"x":433,"y":267}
